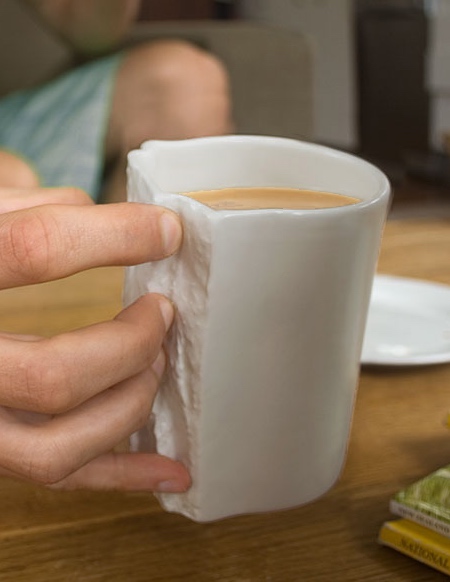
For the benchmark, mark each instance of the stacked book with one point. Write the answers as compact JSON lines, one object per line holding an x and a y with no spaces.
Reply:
{"x":423,"y":532}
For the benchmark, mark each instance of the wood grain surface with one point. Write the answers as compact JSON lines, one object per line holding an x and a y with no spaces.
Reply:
{"x":398,"y":436}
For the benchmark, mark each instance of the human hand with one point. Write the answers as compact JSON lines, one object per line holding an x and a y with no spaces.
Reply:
{"x":67,"y":401}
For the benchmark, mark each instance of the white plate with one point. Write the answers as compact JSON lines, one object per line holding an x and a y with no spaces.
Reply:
{"x":408,"y":323}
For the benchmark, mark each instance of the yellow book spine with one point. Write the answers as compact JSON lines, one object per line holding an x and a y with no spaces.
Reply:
{"x":418,"y":542}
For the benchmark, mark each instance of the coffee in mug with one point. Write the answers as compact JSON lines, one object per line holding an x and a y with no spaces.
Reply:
{"x":270,"y":198}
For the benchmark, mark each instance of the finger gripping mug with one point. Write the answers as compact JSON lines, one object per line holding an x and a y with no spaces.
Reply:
{"x":271,"y":304}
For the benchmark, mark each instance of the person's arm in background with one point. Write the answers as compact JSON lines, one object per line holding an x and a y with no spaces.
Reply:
{"x":91,"y":27}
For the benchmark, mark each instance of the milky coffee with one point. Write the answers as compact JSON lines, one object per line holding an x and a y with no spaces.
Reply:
{"x":257,"y":198}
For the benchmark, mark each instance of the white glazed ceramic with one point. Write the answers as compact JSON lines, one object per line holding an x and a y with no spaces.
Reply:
{"x":408,"y":323}
{"x":272,"y":304}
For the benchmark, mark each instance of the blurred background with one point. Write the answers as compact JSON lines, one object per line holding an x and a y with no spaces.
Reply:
{"x":380,"y":76}
{"x":367,"y":76}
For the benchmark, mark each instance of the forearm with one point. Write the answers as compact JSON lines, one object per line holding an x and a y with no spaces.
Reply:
{"x":90,"y":26}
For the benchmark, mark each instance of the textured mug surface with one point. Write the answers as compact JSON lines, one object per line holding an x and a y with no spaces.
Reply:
{"x":271,"y":310}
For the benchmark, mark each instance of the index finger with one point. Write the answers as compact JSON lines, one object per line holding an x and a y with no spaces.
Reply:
{"x":49,"y":242}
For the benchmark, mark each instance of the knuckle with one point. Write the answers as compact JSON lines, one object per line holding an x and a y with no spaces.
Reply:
{"x":28,"y":243}
{"x":46,"y":385}
{"x":45,"y":463}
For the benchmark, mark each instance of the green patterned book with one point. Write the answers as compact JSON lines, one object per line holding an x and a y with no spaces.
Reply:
{"x":426,"y":502}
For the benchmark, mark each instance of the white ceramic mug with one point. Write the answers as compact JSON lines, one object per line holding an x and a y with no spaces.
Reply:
{"x":272,"y":304}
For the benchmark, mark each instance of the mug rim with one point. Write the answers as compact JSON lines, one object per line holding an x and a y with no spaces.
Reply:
{"x":383,"y":190}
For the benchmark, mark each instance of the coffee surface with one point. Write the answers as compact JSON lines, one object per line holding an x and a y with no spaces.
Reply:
{"x":265,"y":198}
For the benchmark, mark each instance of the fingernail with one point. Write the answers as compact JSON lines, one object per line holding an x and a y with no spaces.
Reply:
{"x":170,"y":232}
{"x":167,"y":311}
{"x":170,"y":487}
{"x":159,"y":365}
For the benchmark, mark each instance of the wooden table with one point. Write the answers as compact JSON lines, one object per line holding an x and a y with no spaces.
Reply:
{"x":398,"y":436}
